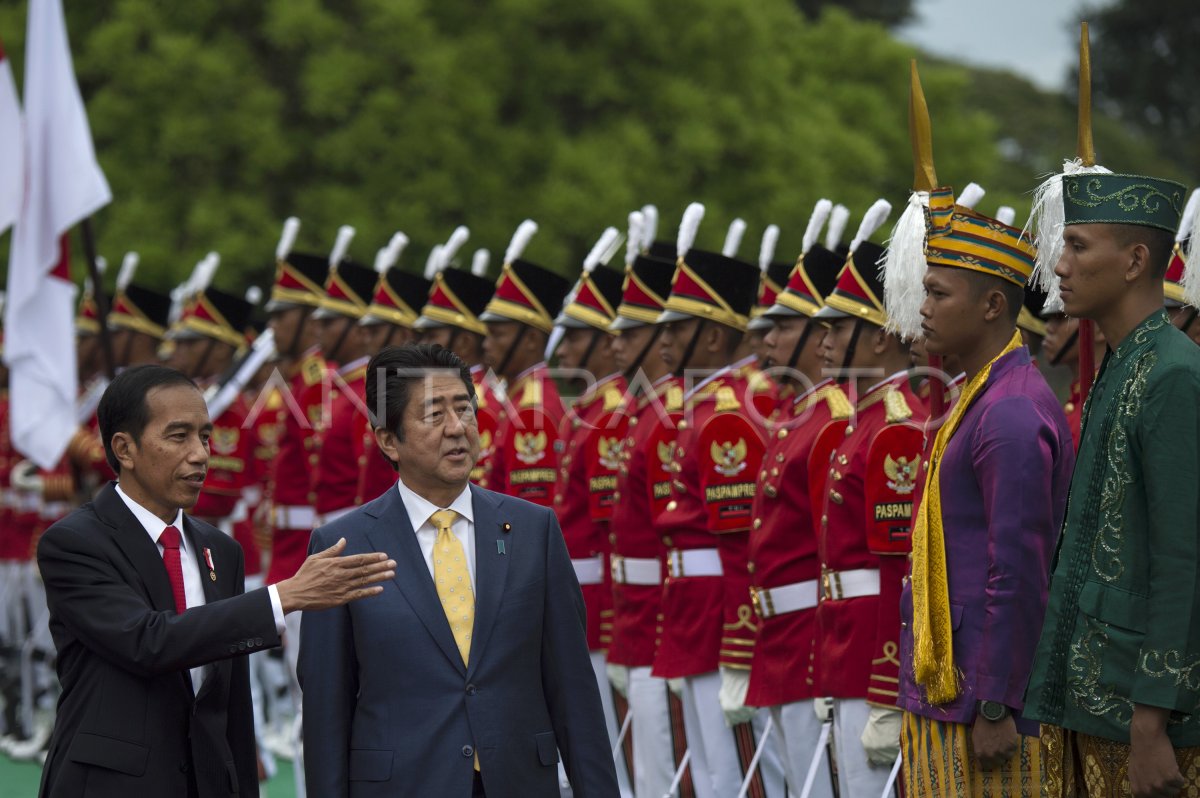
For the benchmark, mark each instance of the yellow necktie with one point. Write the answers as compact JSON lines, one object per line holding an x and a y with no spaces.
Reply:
{"x":453,"y":580}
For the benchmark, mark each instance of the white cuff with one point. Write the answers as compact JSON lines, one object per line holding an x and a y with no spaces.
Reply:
{"x":276,"y":608}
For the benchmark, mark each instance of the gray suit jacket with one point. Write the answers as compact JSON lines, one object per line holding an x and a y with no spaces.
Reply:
{"x":389,"y":707}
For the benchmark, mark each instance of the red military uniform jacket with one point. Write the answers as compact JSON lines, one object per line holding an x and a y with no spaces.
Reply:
{"x":707,"y":617}
{"x":231,"y":452}
{"x":336,"y":456}
{"x":523,"y":462}
{"x":590,"y":435}
{"x":863,"y":540}
{"x":263,"y":431}
{"x":637,"y":601}
{"x":292,"y":500}
{"x":783,"y":546}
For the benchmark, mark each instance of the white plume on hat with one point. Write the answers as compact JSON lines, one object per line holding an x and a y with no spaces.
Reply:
{"x":633,"y":244}
{"x":433,"y":262}
{"x":520,"y":240}
{"x":816,"y":221}
{"x":128,"y":269}
{"x":1189,"y":231}
{"x":733,"y":238}
{"x":766,"y":251}
{"x":649,"y":226}
{"x":689,"y":225}
{"x":479,"y":262}
{"x":837,"y":226}
{"x":341,"y":246}
{"x":1047,"y":220}
{"x":291,"y":228}
{"x":386,"y":257}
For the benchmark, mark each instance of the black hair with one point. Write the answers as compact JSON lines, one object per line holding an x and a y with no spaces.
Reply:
{"x":392,"y":373}
{"x":123,"y":406}
{"x":1014,"y":295}
{"x":1159,"y":242}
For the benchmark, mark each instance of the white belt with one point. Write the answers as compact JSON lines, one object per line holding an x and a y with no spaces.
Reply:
{"x":24,"y":502}
{"x":636,"y":570}
{"x":837,"y":585}
{"x":772,"y":601}
{"x":329,"y":518}
{"x":694,"y":562}
{"x":589,"y":571}
{"x":7,"y":497}
{"x":294,"y":517}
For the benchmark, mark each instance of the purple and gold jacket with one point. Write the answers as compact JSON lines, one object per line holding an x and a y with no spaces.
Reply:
{"x":1004,"y":481}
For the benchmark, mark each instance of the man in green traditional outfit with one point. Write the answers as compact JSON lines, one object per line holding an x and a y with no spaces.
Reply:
{"x":1116,"y":678}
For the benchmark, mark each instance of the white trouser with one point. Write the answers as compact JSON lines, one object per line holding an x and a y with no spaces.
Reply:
{"x":797,"y":730}
{"x":710,"y":738}
{"x":857,"y":778}
{"x":8,"y":582}
{"x":291,"y":653}
{"x":653,"y":745}
{"x":600,"y":668}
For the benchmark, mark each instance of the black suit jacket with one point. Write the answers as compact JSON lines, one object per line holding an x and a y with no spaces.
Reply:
{"x":128,"y":724}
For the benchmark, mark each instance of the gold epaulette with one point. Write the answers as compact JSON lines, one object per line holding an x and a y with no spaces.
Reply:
{"x":532,"y":395}
{"x":896,"y":405}
{"x":312,"y":369}
{"x":674,"y":400}
{"x":839,"y":405}
{"x":612,"y":398}
{"x":727,"y":400}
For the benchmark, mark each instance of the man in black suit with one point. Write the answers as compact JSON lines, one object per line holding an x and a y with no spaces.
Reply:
{"x":149,"y":616}
{"x":470,"y":674}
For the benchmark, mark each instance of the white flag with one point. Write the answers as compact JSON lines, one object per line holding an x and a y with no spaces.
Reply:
{"x":63,"y":185}
{"x":12,"y":176}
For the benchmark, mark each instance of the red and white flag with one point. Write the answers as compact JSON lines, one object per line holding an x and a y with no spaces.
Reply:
{"x":63,"y":185}
{"x":12,"y":157}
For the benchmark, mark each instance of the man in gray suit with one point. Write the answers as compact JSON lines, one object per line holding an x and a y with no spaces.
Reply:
{"x":469,"y":673}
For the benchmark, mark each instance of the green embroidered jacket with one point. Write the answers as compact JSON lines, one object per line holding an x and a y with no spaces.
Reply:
{"x":1123,"y":619}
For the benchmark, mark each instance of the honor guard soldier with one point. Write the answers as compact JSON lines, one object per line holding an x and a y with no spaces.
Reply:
{"x":207,"y":336}
{"x":519,"y":323}
{"x":637,"y":550}
{"x":336,"y":458}
{"x":707,"y":617}
{"x":863,"y":532}
{"x":589,"y":440}
{"x":1183,"y":315}
{"x":296,"y":294}
{"x":388,"y":322}
{"x":783,"y":564}
{"x":450,"y":318}
{"x":751,"y":359}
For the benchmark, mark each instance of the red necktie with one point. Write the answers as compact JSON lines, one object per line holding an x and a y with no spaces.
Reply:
{"x":170,"y":543}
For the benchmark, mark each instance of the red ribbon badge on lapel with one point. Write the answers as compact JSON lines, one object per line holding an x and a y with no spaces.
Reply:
{"x":212,"y":570}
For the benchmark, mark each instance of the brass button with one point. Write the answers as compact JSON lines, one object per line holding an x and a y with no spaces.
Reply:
{"x":770,"y":491}
{"x":832,"y":472}
{"x":671,"y":507}
{"x":757,"y":523}
{"x":750,"y":568}
{"x":633,"y":422}
{"x":779,"y":458}
{"x":835,"y":497}
{"x":762,"y":474}
{"x":824,"y":520}
{"x":679,"y":486}
{"x":616,"y":495}
{"x":836,"y":476}
{"x":612,"y":538}
{"x":682,"y":425}
{"x":774,"y":472}
{"x":783,"y":433}
{"x":843,"y":460}
{"x":849,"y":431}
{"x":667,"y":542}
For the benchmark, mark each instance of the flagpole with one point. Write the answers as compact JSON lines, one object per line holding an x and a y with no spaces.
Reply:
{"x":1085,"y":149}
{"x":99,"y":296}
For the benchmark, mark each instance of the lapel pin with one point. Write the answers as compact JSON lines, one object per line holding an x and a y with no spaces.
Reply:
{"x":499,"y":546}
{"x":212,"y":571}
{"x":507,"y":527}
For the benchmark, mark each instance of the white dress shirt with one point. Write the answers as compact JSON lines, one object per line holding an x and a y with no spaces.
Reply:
{"x":419,"y":512}
{"x":193,"y":587}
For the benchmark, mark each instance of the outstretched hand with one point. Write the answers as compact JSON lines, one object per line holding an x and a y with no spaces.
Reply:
{"x":327,"y":579}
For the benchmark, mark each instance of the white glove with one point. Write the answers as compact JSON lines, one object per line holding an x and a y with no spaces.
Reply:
{"x":618,"y":677}
{"x":823,"y":708}
{"x":25,"y":477}
{"x":676,"y":687}
{"x":734,"y":685}
{"x":881,"y":737}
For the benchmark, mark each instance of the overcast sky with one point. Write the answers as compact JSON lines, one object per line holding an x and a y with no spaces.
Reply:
{"x":1037,"y":39}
